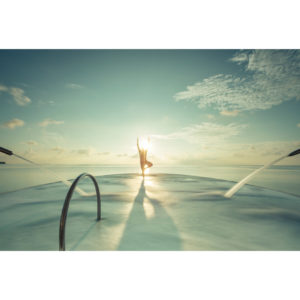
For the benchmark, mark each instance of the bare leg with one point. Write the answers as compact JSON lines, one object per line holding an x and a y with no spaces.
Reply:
{"x":148,"y":164}
{"x":143,"y":169}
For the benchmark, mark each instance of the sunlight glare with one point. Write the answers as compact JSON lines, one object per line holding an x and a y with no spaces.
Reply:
{"x":144,"y":144}
{"x":148,"y":208}
{"x":148,"y":181}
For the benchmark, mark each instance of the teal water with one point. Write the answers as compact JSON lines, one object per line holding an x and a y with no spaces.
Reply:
{"x":280,"y":178}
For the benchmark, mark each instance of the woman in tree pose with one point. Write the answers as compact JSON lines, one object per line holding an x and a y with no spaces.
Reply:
{"x":143,"y":149}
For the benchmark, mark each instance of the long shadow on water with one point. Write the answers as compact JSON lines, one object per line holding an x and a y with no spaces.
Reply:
{"x":149,"y":227}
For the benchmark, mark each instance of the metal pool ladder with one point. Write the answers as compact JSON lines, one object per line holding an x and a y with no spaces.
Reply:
{"x":64,"y":212}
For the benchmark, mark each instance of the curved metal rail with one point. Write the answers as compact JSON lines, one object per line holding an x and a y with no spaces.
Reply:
{"x":64,"y":211}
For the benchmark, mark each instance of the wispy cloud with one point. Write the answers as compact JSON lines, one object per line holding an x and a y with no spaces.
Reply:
{"x":48,"y":122}
{"x":86,"y":151}
{"x":46,"y":102}
{"x":210,"y":116}
{"x":31,"y":143}
{"x":240,"y":153}
{"x":58,"y":149}
{"x":122,"y":155}
{"x":19,"y":97}
{"x":103,"y":153}
{"x":204,"y":132}
{"x":12,"y":124}
{"x":17,"y":94}
{"x":73,"y":86}
{"x":272,"y":77}
{"x":298,"y":124}
{"x":3,"y":88}
{"x":259,"y":152}
{"x":228,"y":113}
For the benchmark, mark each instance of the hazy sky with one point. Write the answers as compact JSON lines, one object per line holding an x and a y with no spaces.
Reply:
{"x":198,"y":106}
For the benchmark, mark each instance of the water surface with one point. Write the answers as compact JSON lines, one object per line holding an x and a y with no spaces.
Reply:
{"x":280,"y":178}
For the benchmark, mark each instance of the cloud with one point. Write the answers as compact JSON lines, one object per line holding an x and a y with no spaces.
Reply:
{"x":203,"y":133}
{"x":103,"y":153}
{"x":261,"y":153}
{"x":88,"y":151}
{"x":31,"y":143}
{"x":271,"y":77}
{"x":83,"y":151}
{"x":240,"y":57}
{"x":228,"y":113}
{"x":57,"y":149}
{"x":12,"y":124}
{"x":122,"y":155}
{"x":47,"y":122}
{"x":3,"y":88}
{"x":19,"y":97}
{"x":298,"y":124}
{"x":46,"y":102}
{"x":239,"y":153}
{"x":210,"y":116}
{"x":17,"y":94}
{"x":73,"y":86}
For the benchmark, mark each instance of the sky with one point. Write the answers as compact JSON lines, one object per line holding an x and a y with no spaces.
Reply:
{"x":199,"y":107}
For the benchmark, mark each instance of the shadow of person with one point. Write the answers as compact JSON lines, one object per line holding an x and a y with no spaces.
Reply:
{"x":149,"y":227}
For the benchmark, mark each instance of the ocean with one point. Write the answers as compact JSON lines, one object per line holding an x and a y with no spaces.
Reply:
{"x":279,"y":178}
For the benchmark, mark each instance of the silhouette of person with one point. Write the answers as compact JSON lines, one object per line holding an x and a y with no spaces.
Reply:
{"x":145,"y":164}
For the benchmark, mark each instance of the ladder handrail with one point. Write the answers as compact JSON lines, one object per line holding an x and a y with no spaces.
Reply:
{"x":65,"y":208}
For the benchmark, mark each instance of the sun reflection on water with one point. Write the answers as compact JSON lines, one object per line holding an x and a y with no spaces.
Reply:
{"x":148,"y":181}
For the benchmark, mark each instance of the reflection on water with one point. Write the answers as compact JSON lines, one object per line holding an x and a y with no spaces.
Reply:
{"x":148,"y":181}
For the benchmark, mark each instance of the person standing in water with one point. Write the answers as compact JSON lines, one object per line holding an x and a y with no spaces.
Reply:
{"x":143,"y":149}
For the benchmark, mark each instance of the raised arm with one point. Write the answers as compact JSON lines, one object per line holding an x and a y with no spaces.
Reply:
{"x":138,"y":144}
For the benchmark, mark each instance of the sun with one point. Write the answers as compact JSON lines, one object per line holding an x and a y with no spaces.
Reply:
{"x":144,"y":144}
